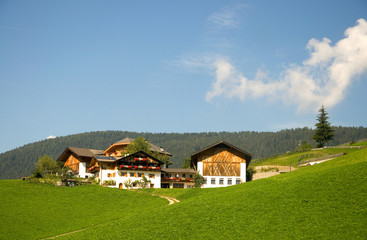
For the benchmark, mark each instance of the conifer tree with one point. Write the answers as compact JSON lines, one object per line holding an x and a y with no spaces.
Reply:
{"x":324,"y":131}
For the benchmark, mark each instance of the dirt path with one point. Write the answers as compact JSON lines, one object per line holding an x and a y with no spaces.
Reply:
{"x":171,"y":201}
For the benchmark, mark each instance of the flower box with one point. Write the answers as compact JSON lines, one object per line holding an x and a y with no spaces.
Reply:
{"x":130,"y":166}
{"x":144,"y":159}
{"x":158,"y":168}
{"x":167,"y":178}
{"x":174,"y":178}
{"x":153,"y":167}
{"x":180,"y":179}
{"x":136,"y":159}
{"x":136,"y":167}
{"x":144,"y":167}
{"x":150,"y":168}
{"x":140,"y":167}
{"x":121,"y":166}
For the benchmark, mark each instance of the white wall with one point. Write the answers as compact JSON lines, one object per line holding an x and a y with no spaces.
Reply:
{"x":121,"y":179}
{"x":83,"y":170}
{"x":234,"y":179}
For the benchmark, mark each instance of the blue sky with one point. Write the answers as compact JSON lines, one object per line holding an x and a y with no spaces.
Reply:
{"x":68,"y":67}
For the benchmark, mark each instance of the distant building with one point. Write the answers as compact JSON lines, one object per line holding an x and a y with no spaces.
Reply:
{"x":221,"y":164}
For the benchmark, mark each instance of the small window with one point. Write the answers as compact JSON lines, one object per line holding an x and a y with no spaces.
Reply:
{"x":229,"y":181}
{"x":189,"y":186}
{"x":151,"y":176}
{"x":213,"y":181}
{"x":238,"y":181}
{"x":139,"y":175}
{"x":221,"y":181}
{"x":109,"y":175}
{"x":114,"y":174}
{"x":190,"y":176}
{"x":184,"y":175}
{"x":178,"y":185}
{"x":205,"y":181}
{"x":131,"y":174}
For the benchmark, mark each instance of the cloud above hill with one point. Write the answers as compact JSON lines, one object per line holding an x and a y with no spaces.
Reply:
{"x":323,"y":78}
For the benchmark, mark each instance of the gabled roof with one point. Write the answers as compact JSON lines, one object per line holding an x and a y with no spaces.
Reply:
{"x":140,"y":153}
{"x":79,"y":152}
{"x":125,"y":140}
{"x":238,"y":151}
{"x":128,"y":140}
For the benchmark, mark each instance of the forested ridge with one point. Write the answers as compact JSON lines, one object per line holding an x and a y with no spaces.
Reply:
{"x":20,"y":161}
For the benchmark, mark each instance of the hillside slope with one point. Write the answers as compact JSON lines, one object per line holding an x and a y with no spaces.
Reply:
{"x":325,"y":201}
{"x":20,"y":162}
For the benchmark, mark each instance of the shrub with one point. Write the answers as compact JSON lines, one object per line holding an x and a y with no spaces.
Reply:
{"x":198,"y":180}
{"x":249,"y":173}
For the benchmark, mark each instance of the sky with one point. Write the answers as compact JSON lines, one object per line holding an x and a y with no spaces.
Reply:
{"x":70,"y":67}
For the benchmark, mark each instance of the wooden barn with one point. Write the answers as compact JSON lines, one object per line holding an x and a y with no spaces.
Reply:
{"x":79,"y":160}
{"x":221,"y":164}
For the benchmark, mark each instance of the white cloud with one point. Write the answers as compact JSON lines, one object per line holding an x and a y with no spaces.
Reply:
{"x":226,"y":17}
{"x":323,"y":78}
{"x":51,"y":137}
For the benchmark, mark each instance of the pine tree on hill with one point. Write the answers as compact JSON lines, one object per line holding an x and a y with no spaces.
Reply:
{"x":324,"y":131}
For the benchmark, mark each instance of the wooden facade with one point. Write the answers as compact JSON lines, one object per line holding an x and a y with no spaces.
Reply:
{"x":221,"y":162}
{"x":73,"y":163}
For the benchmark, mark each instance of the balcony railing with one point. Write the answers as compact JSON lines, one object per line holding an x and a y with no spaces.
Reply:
{"x":177,"y":179}
{"x":139,"y":167}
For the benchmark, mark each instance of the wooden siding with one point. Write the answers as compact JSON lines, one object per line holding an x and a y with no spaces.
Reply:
{"x":221,"y":162}
{"x":73,"y":163}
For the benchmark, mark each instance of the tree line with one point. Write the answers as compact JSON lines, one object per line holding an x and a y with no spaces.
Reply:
{"x":21,"y":161}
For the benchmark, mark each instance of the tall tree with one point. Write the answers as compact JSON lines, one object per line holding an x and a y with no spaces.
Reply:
{"x":324,"y":131}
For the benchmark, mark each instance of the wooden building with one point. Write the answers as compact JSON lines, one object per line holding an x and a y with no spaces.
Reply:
{"x":79,"y":160}
{"x":113,"y":165}
{"x":221,"y":164}
{"x":177,"y":178}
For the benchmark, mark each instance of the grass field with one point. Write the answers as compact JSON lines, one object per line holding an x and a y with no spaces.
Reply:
{"x":325,"y":201}
{"x":286,"y":159}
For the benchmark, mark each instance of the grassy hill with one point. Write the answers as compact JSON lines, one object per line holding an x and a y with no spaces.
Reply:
{"x":293,"y":157}
{"x":325,"y":201}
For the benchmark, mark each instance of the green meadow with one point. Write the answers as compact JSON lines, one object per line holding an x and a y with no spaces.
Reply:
{"x":292,"y":158}
{"x":324,"y":201}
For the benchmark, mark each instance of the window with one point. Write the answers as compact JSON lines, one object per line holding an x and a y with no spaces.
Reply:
{"x":123,"y":174}
{"x":229,"y":181}
{"x":109,"y":175}
{"x":114,"y":174}
{"x":238,"y":181}
{"x":213,"y":181}
{"x":189,"y":186}
{"x":221,"y":181}
{"x":205,"y":181}
{"x":184,"y":175}
{"x":151,"y":176}
{"x":131,"y":174}
{"x":190,"y":176}
{"x":178,"y":185}
{"x":140,"y":175}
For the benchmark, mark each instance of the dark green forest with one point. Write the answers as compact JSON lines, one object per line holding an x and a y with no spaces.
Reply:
{"x":20,"y":161}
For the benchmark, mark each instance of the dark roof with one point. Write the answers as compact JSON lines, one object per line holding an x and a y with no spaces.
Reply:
{"x":239,"y":151}
{"x":153,"y":147}
{"x":140,"y":153}
{"x":79,"y":152}
{"x":178,"y":170}
{"x":125,"y":140}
